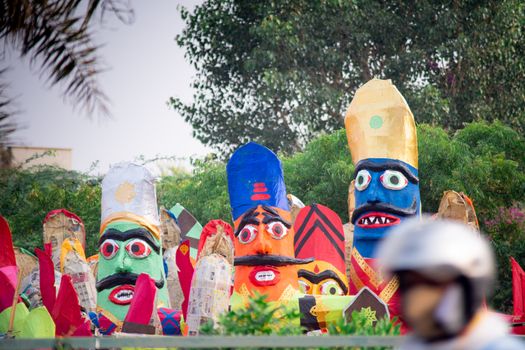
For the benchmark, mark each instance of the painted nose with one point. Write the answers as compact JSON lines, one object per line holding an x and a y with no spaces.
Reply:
{"x":262,"y":246}
{"x":375,"y":192}
{"x":124,"y":263}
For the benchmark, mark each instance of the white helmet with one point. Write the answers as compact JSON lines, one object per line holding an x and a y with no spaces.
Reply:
{"x":439,"y":250}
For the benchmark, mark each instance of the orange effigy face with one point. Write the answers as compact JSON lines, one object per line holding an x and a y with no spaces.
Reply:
{"x":264,"y":253}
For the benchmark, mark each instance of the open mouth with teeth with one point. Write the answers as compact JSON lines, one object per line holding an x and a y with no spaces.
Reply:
{"x":377,"y":220}
{"x":265,"y":276}
{"x":122,"y":295}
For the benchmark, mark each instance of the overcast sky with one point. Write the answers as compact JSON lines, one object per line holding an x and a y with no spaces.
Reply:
{"x":146,"y":68}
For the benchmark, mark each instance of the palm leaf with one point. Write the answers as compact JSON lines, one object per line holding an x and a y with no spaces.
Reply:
{"x":56,"y":36}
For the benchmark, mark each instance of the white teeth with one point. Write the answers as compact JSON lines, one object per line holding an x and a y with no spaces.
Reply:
{"x":124,"y":295}
{"x":264,"y":276}
{"x":371,"y":220}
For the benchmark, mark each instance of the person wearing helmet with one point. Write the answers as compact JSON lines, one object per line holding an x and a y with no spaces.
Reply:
{"x":445,"y":271}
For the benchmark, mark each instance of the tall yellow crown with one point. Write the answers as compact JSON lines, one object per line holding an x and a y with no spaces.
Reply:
{"x":379,"y":124}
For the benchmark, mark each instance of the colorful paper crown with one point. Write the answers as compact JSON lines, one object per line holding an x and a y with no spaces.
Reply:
{"x":255,"y":176}
{"x":128,"y":194}
{"x":379,"y":124}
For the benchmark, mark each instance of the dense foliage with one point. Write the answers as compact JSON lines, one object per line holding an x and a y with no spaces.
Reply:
{"x":486,"y":161}
{"x":27,"y":196}
{"x":258,"y":318}
{"x":281,"y":72}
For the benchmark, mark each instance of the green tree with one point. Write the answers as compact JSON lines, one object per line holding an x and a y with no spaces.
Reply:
{"x":281,"y":72}
{"x":28,"y":195}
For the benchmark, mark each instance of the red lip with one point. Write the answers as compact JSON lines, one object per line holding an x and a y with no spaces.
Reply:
{"x":122,"y":295}
{"x":377,"y":220}
{"x":264,"y":276}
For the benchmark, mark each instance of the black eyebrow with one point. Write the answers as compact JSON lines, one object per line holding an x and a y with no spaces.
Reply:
{"x":270,"y":210}
{"x":318,"y":277}
{"x":141,"y":233}
{"x":250,"y":217}
{"x":269,"y":218}
{"x":273,"y":215}
{"x":388,"y":165}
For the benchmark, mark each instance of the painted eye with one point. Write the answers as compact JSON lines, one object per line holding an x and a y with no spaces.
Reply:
{"x":331,"y":287}
{"x":277,"y":229}
{"x":108,"y":249}
{"x":137,"y":248}
{"x":362,"y":180}
{"x":304,"y":287}
{"x":393,"y":180}
{"x":247,"y":234}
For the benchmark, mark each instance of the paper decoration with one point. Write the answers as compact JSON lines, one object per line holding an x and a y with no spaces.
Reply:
{"x":295,"y":205}
{"x":189,"y":226}
{"x":170,"y":320}
{"x":128,"y":192}
{"x":66,"y":309}
{"x":130,"y":241}
{"x":459,"y":207}
{"x":171,"y":232}
{"x":366,"y":299}
{"x":217,"y":237}
{"x":59,"y":225}
{"x":25,"y":261}
{"x":255,"y":176}
{"x":38,"y":324}
{"x":21,"y":314}
{"x":30,"y":287}
{"x":8,"y":269}
{"x":212,"y":279}
{"x":319,"y":234}
{"x":318,"y":311}
{"x":380,"y":124}
{"x":172,"y":277}
{"x":186,"y":270}
{"x":143,"y":308}
{"x":74,"y":264}
{"x":210,"y":291}
{"x":518,"y":298}
{"x":46,"y":280}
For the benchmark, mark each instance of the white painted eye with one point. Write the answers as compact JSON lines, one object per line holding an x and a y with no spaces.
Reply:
{"x":362,"y":180}
{"x":137,"y":248}
{"x":331,"y":287}
{"x":277,"y":229}
{"x":108,"y":249}
{"x":247,"y":234}
{"x":393,"y":180}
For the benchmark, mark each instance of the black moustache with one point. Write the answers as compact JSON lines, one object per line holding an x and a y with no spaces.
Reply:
{"x":119,"y":279}
{"x":269,"y":260}
{"x":384,"y":208}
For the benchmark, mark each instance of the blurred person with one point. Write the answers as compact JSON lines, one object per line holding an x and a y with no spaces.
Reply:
{"x":445,"y":271}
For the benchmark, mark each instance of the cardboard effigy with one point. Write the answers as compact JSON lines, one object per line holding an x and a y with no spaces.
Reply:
{"x":130,"y":240}
{"x":382,"y":138}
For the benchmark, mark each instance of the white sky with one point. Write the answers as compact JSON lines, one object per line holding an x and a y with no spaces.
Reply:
{"x":146,"y":68}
